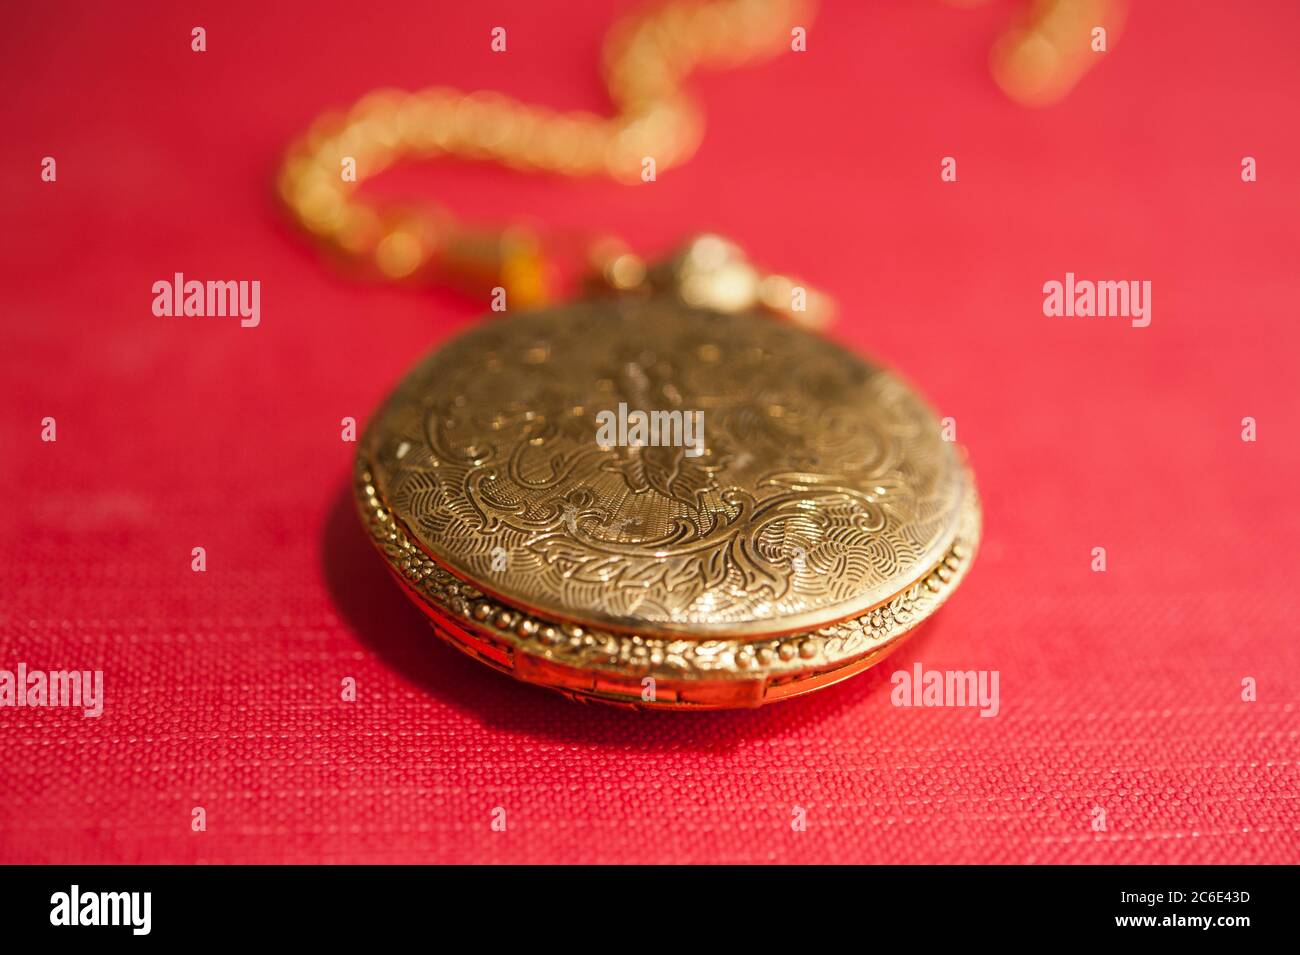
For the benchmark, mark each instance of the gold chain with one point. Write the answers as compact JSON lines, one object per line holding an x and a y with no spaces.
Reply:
{"x":646,"y":57}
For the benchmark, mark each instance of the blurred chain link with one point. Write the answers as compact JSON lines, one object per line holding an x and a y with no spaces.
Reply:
{"x":646,"y":59}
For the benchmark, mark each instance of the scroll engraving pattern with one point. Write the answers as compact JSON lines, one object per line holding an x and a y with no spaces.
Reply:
{"x":823,"y":476}
{"x":790,"y":657}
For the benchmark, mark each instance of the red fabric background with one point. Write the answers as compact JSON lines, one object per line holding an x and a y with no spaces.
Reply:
{"x":1119,"y":690}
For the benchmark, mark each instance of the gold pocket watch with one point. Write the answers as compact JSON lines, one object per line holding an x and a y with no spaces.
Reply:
{"x":667,"y":493}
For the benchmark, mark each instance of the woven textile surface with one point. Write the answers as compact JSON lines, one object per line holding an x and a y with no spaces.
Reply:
{"x":1120,"y":691}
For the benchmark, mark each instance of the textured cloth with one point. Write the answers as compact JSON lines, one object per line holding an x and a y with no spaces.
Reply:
{"x":1120,"y":691}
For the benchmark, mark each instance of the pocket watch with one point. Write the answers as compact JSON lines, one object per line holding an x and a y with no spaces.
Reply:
{"x":823,"y":518}
{"x":669,"y":492}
